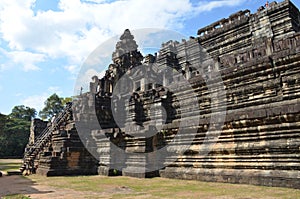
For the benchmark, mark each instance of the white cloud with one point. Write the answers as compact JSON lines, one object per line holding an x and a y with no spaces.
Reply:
{"x":73,"y":69}
{"x":209,"y":5}
{"x":54,"y":89}
{"x":37,"y":101}
{"x":94,"y":1}
{"x":14,"y":15}
{"x":80,"y":26}
{"x":28,"y":60}
{"x":83,"y":81}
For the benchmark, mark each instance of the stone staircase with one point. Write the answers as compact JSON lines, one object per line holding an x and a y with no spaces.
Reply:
{"x":46,"y":135}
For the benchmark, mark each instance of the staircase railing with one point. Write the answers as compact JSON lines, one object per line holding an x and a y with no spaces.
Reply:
{"x":39,"y":143}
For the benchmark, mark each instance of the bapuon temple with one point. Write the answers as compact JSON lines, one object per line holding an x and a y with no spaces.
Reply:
{"x":223,"y":106}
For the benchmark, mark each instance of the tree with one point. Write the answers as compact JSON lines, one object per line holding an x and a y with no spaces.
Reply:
{"x":3,"y":119}
{"x":53,"y":106}
{"x":23,"y":112}
{"x":66,"y":100}
{"x":14,"y":134}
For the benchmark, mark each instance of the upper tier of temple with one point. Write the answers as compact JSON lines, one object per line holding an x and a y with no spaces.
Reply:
{"x":275,"y":13}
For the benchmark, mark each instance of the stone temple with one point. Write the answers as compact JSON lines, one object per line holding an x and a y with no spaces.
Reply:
{"x":234,"y":118}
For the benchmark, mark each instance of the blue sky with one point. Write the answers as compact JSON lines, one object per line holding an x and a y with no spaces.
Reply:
{"x":43,"y":43}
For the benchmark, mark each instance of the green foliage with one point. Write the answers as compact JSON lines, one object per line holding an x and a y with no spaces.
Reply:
{"x":66,"y":100}
{"x":53,"y":106}
{"x":14,"y":134}
{"x":127,"y":187}
{"x":3,"y":119}
{"x":23,"y":112}
{"x":16,"y":196}
{"x":15,"y":130}
{"x":15,"y":127}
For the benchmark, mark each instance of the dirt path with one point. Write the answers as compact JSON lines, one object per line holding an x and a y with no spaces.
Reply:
{"x":16,"y":185}
{"x":10,"y":185}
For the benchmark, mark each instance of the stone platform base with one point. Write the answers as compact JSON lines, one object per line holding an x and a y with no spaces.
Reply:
{"x":106,"y":171}
{"x":64,"y":172}
{"x":131,"y":173}
{"x":282,"y":178}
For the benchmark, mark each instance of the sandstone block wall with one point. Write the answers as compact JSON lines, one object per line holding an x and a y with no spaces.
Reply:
{"x":257,"y":56}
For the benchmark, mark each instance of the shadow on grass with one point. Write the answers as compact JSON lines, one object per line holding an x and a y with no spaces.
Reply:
{"x":12,"y":186}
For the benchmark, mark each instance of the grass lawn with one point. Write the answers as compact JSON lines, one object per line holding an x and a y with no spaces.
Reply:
{"x":10,"y":164}
{"x":164,"y":188}
{"x":15,"y":197}
{"x":154,"y":188}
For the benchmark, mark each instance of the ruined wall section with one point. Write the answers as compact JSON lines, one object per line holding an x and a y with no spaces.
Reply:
{"x":65,"y":153}
{"x":36,"y":128}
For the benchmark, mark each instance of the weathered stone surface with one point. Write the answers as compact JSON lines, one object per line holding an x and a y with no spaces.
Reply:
{"x":66,"y":155}
{"x":258,"y":58}
{"x":58,"y":149}
{"x":36,"y":128}
{"x":259,"y":143}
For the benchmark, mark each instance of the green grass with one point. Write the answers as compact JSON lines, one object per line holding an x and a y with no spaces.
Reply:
{"x":165,"y":188}
{"x":15,"y":197}
{"x":127,"y":187}
{"x":10,"y":164}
